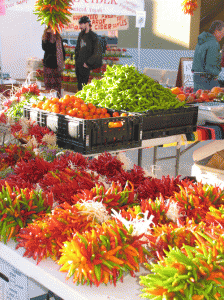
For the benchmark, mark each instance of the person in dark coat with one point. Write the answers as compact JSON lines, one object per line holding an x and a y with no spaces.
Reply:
{"x":207,"y":57}
{"x":88,"y":52}
{"x":54,"y":56}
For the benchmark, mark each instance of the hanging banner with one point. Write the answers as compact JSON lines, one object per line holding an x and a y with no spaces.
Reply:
{"x":100,"y":22}
{"x":108,"y":7}
{"x":2,"y":7}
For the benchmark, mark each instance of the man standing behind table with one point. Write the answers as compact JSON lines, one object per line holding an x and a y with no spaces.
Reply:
{"x":207,"y":57}
{"x":88,"y":52}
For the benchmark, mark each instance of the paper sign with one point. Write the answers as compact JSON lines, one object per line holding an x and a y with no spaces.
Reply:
{"x":100,"y":22}
{"x":188,"y":75}
{"x":140,"y":19}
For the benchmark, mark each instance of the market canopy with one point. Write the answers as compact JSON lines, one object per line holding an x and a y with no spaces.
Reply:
{"x":108,"y":7}
{"x":100,"y":7}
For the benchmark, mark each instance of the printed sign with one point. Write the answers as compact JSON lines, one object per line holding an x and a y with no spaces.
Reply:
{"x":140,"y":19}
{"x":188,"y":75}
{"x":108,"y":7}
{"x":100,"y":22}
{"x":184,"y":75}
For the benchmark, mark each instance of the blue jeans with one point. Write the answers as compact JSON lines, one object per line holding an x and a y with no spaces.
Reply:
{"x":203,"y":83}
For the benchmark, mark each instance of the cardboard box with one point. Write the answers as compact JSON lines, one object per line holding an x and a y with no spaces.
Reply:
{"x":217,"y":161}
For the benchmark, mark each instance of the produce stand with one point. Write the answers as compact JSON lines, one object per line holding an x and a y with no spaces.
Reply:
{"x":47,"y":274}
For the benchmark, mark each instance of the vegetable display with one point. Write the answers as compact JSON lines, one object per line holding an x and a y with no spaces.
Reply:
{"x":19,"y":207}
{"x":124,"y":88}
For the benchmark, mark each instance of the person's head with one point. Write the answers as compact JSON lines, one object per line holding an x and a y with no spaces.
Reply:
{"x":84,"y":24}
{"x":217,"y":29}
{"x":50,"y":34}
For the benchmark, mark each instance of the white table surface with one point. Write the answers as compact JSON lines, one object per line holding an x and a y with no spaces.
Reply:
{"x":47,"y":274}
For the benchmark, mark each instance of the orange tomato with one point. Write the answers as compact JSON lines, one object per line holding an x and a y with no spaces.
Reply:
{"x":77,"y":104}
{"x":181,"y":97}
{"x":34,"y":105}
{"x":40,"y":104}
{"x":116,"y":114}
{"x":98,"y":110}
{"x":84,"y":107}
{"x":67,"y":97}
{"x":93,"y":109}
{"x":90,"y":105}
{"x":123,"y":115}
{"x":55,"y":100}
{"x":176,"y":90}
{"x":80,"y":114}
{"x":45,"y":106}
{"x":104,"y":110}
{"x":102,"y":116}
{"x":107,"y":115}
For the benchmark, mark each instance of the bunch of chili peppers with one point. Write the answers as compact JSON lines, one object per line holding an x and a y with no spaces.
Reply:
{"x":33,"y":130}
{"x":11,"y":154}
{"x":189,"y":6}
{"x":114,"y":197}
{"x":191,"y":272}
{"x":54,"y":14}
{"x":19,"y":207}
{"x":102,"y":255}
{"x":32,"y":88}
{"x":196,"y":199}
{"x":45,"y":236}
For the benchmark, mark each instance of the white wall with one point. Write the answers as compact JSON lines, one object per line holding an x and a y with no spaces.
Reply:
{"x":20,"y":34}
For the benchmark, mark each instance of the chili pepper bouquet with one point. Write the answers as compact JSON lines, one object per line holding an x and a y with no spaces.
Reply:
{"x":53,"y":13}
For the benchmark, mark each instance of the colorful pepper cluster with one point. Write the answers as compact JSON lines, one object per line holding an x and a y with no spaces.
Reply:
{"x":11,"y":154}
{"x":19,"y":207}
{"x":189,"y":6}
{"x":190,"y":272}
{"x":53,"y":13}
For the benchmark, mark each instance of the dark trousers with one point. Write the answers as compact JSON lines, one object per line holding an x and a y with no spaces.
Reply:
{"x":203,"y":83}
{"x":82,"y":76}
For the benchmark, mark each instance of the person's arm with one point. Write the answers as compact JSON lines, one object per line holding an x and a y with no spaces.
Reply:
{"x":213,"y":60}
{"x":77,"y":48}
{"x":222,"y":60}
{"x":63,"y":49}
{"x":96,"y":57}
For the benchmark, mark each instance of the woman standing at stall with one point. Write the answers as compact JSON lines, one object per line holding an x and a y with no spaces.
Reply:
{"x":53,"y":61}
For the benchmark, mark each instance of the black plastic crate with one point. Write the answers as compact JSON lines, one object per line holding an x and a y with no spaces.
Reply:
{"x":45,"y":119}
{"x":95,"y":136}
{"x":90,"y":136}
{"x":162,"y":123}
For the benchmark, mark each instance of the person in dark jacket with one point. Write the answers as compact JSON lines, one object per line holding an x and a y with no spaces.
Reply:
{"x":88,"y":52}
{"x":54,"y":56}
{"x":207,"y":57}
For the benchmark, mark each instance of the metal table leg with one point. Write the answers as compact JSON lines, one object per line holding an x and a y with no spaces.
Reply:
{"x":140,"y":157}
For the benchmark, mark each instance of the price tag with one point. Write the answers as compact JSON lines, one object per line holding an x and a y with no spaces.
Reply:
{"x":140,"y":19}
